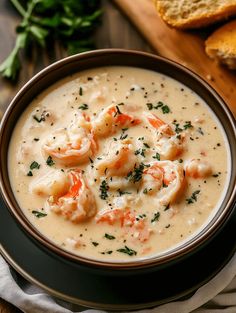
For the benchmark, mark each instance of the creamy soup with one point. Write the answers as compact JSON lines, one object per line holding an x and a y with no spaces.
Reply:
{"x":118,"y":163}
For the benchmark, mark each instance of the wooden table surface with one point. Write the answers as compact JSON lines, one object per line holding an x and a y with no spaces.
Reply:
{"x":116,"y":31}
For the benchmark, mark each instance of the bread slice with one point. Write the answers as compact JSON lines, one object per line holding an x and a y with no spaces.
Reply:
{"x":185,"y":14}
{"x":221,"y":45}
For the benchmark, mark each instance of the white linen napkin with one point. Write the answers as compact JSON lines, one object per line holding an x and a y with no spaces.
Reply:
{"x":217,"y":296}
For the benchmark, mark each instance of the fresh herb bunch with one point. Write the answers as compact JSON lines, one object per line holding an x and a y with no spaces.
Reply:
{"x":71,"y":22}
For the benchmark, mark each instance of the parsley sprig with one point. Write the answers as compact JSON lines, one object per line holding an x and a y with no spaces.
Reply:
{"x":193,"y":197}
{"x":137,"y":173}
{"x":103,"y":189}
{"x":127,"y":250}
{"x":165,"y":109}
{"x":71,"y":22}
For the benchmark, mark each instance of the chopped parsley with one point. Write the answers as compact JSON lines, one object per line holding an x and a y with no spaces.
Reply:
{"x":122,"y":192}
{"x":188,"y":125}
{"x":157,"y":156}
{"x":137,"y":173}
{"x":50,"y":161}
{"x":107,"y":252}
{"x":140,"y":151}
{"x":149,"y":105}
{"x":84,"y":106}
{"x":80,"y":91}
{"x":193,"y":197}
{"x":200,"y":131}
{"x":118,"y":110}
{"x":30,"y":173}
{"x":110,"y":237}
{"x":34,"y":165}
{"x":95,"y":243}
{"x":123,"y":136}
{"x":146,"y":145}
{"x":36,"y":139}
{"x":155,"y":217}
{"x":39,"y":119}
{"x":39,"y":214}
{"x":167,"y":207}
{"x":104,"y":188}
{"x":177,"y":128}
{"x":165,"y":109}
{"x":127,"y":250}
{"x":145,"y":191}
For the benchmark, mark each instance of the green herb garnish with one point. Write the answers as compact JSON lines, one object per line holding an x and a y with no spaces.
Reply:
{"x":140,"y":151}
{"x":193,"y":197}
{"x":165,"y":109}
{"x":157,"y":156}
{"x":188,"y":125}
{"x":127,"y":250}
{"x":122,"y":192}
{"x":149,"y":105}
{"x":177,"y":128}
{"x":137,"y":173}
{"x":110,"y":237}
{"x":107,"y":252}
{"x":167,"y":207}
{"x":146,"y":145}
{"x":71,"y":22}
{"x":39,"y":119}
{"x":34,"y":165}
{"x":84,"y":106}
{"x":39,"y":214}
{"x":50,"y":161}
{"x":104,"y":188}
{"x":95,"y":243}
{"x":155,"y":217}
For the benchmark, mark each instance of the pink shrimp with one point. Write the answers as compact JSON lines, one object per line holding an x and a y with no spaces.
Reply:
{"x":165,"y":179}
{"x":128,"y":221}
{"x":78,"y":204}
{"x":73,"y":145}
{"x":119,"y":160}
{"x":110,"y":119}
{"x":167,"y":143}
{"x":198,"y":169}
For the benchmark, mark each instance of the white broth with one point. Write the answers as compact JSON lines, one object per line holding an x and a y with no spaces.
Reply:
{"x":118,"y":163}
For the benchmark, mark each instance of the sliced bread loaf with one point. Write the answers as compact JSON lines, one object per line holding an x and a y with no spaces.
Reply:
{"x":185,"y":14}
{"x":221,"y":45}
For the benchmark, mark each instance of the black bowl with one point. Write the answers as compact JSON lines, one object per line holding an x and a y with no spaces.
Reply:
{"x":111,"y":57}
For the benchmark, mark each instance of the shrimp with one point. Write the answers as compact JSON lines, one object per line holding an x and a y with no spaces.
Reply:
{"x":73,"y":145}
{"x":54,"y":183}
{"x":198,"y":169}
{"x":165,"y":180}
{"x":110,"y":119}
{"x":119,"y":160}
{"x":167,"y":143}
{"x":129,"y":222}
{"x":78,"y":203}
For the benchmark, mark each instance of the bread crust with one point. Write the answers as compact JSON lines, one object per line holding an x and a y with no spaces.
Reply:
{"x":221,"y":45}
{"x":197,"y":21}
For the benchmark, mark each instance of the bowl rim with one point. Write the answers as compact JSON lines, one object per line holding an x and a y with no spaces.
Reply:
{"x":50,"y":246}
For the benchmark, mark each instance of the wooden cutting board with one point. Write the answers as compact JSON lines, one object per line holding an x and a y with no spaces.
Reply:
{"x":185,"y":47}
